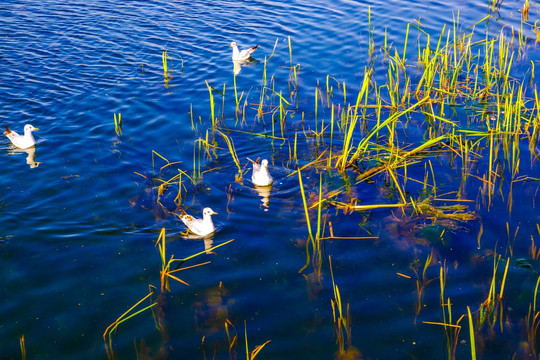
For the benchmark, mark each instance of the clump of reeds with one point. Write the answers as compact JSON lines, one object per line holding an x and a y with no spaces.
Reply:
{"x":168,"y":271}
{"x":525,"y":11}
{"x":369,"y":143}
{"x":533,"y":324}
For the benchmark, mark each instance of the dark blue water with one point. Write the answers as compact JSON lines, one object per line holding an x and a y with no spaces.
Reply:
{"x":79,"y":222}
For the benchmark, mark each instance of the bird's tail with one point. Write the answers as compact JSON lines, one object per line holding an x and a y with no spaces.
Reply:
{"x":182,"y":212}
{"x":256,"y":161}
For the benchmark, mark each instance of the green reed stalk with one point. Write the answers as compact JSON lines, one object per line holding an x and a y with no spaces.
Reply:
{"x":319,"y":209}
{"x":23,"y":347}
{"x":471,"y":334}
{"x":351,"y":127}
{"x":281,"y":115}
{"x":118,"y":124}
{"x":370,"y":35}
{"x":490,"y":168}
{"x":454,"y":43}
{"x":295,"y":141}
{"x":328,"y":90}
{"x":362,"y":146}
{"x":405,"y":45}
{"x":245,"y":336}
{"x":533,"y":323}
{"x":305,"y":205}
{"x":165,"y":67}
{"x":232,"y":150}
{"x":223,"y":103}
{"x":536,"y":293}
{"x":316,"y":105}
{"x":329,"y":164}
{"x":196,"y":175}
{"x":191,"y":116}
{"x":253,"y":354}
{"x":153,"y":162}
{"x":344,"y":96}
{"x":290,"y":51}
{"x":260,"y":112}
{"x":212,"y":105}
{"x":124,"y":317}
{"x":488,"y":61}
{"x":385,"y":43}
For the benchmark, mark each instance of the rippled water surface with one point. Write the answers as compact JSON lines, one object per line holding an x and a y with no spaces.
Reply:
{"x":80,"y":217}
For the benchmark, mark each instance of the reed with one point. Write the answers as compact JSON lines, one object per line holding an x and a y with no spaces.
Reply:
{"x":471,"y":334}
{"x":23,"y":347}
{"x":234,"y":156}
{"x":212,"y":105}
{"x":491,"y":310}
{"x":166,"y":74}
{"x":525,"y":11}
{"x":264,"y":84}
{"x":293,"y":73}
{"x":306,"y":212}
{"x":369,"y":142}
{"x":422,"y":281}
{"x":253,"y":354}
{"x":533,"y":323}
{"x":130,"y":313}
{"x":168,"y":271}
{"x":342,"y":323}
{"x":118,"y":124}
{"x":232,"y":340}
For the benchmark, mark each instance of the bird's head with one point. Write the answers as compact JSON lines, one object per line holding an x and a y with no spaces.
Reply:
{"x":29,"y":128}
{"x":208,"y":212}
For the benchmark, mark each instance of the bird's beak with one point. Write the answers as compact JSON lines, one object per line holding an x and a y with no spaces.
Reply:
{"x":230,"y":46}
{"x":214,"y":213}
{"x":36,"y":129}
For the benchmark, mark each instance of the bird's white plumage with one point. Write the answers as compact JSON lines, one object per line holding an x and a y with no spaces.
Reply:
{"x":22,"y":141}
{"x":243,"y":55}
{"x":201,"y":227}
{"x":260,"y":175}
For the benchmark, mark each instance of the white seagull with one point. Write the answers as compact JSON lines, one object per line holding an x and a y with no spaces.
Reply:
{"x":21,"y":141}
{"x":243,"y":55}
{"x":201,"y":227}
{"x":260,"y":175}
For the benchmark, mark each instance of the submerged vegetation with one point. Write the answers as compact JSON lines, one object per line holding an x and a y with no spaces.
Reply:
{"x":460,"y":91}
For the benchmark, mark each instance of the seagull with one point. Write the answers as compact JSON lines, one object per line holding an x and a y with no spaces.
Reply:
{"x":201,"y":227}
{"x":241,"y":55}
{"x":22,"y":141}
{"x":260,"y":175}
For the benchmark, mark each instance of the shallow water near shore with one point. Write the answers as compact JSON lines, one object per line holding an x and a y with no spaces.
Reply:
{"x":80,"y":218}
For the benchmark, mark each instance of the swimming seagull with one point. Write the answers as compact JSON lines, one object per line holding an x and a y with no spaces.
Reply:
{"x":260,"y":175}
{"x":241,"y":55}
{"x":21,"y":141}
{"x":201,"y":227}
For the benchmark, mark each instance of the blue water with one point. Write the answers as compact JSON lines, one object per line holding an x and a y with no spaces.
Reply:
{"x":79,"y":222}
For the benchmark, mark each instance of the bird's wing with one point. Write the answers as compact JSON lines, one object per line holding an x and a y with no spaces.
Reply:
{"x":246,"y":54}
{"x":195,"y":225}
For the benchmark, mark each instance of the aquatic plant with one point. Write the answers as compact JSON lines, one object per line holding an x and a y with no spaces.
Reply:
{"x":250,"y":355}
{"x":118,"y":124}
{"x":366,"y":141}
{"x":23,"y":347}
{"x":167,"y":272}
{"x":533,"y":323}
